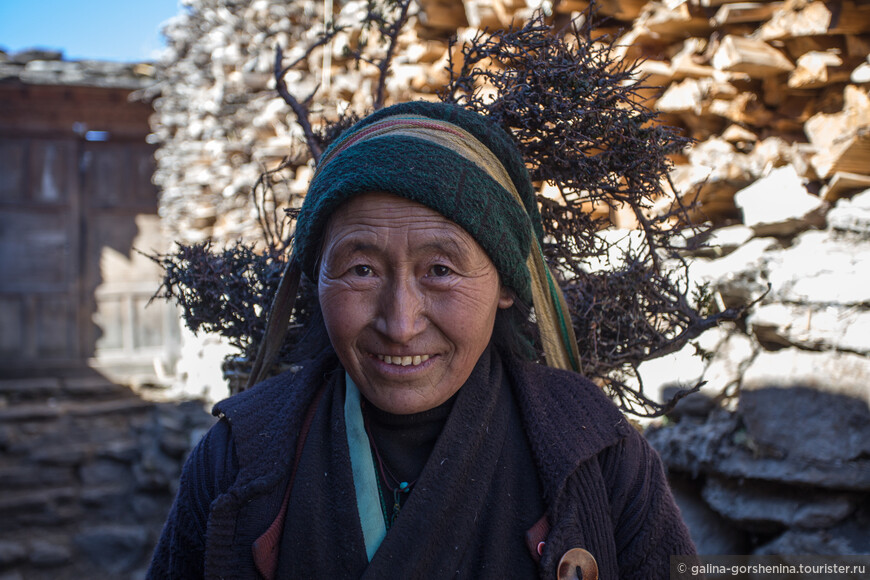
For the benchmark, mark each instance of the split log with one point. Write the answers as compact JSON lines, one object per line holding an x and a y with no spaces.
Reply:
{"x":857,"y":46}
{"x":715,"y":3}
{"x":753,"y":57}
{"x":773,"y":91}
{"x":850,"y":154}
{"x":687,"y":61}
{"x":656,"y":73}
{"x":698,"y":103}
{"x":802,"y":18}
{"x":570,"y":6}
{"x":800,"y":45}
{"x":688,"y":96}
{"x":709,"y":198}
{"x":673,"y":23}
{"x":489,"y":14}
{"x":684,"y":65}
{"x":745,"y":109}
{"x":739,"y":136}
{"x":776,"y":152}
{"x":817,"y":69}
{"x":842,"y":184}
{"x":861,"y":74}
{"x":620,"y":9}
{"x":742,"y":12}
{"x":824,"y":129}
{"x":442,"y":14}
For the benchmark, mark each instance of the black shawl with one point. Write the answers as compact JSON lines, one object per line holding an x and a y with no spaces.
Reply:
{"x":466,"y":516}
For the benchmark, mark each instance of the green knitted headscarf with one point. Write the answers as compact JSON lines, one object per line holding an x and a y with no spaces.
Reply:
{"x":383,"y":153}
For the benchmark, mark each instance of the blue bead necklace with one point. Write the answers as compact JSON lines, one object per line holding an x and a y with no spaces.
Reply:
{"x":398,"y":488}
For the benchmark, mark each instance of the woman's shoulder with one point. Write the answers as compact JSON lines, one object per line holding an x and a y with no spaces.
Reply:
{"x":272,"y":397}
{"x":262,"y":421}
{"x":568,"y":418}
{"x":568,"y":390}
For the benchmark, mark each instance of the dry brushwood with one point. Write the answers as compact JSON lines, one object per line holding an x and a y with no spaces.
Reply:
{"x":576,"y":115}
{"x":227,"y":291}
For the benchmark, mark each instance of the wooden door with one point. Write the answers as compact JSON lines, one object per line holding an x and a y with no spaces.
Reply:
{"x":73,"y":289}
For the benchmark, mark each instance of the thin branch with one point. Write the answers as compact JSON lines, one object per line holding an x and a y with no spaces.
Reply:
{"x":392,"y":35}
{"x":300,"y":110}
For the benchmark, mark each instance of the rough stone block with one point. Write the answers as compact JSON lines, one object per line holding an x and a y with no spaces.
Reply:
{"x":20,"y":389}
{"x":821,"y":268}
{"x":710,"y":532}
{"x":156,"y":471}
{"x":764,"y":507}
{"x":813,"y":327}
{"x":104,"y":471}
{"x":831,"y":372}
{"x":46,"y":554}
{"x":851,"y":214}
{"x":94,"y":387}
{"x":740,"y":277}
{"x":730,"y":238}
{"x":719,"y":446}
{"x":718,"y":357}
{"x":32,"y":476}
{"x":70,"y":454}
{"x":11,"y":553}
{"x":777,"y":204}
{"x":113,"y":548}
{"x":809,"y":405}
{"x":807,"y":542}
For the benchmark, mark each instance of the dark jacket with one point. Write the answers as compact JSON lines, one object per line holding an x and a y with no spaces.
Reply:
{"x":604,"y":485}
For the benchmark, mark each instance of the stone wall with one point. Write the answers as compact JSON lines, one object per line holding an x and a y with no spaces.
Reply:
{"x":88,"y":470}
{"x":772,"y":455}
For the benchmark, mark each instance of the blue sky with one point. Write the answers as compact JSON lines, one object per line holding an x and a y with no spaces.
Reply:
{"x":119,"y":30}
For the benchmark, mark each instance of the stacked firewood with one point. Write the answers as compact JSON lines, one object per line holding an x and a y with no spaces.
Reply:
{"x":760,"y":85}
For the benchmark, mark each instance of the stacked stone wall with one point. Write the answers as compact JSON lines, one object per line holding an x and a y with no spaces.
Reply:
{"x":88,"y":471}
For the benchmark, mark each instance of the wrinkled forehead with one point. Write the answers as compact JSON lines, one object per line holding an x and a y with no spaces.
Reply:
{"x":392,"y":226}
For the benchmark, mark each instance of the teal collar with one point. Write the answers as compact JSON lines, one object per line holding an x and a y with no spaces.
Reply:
{"x":368,"y":497}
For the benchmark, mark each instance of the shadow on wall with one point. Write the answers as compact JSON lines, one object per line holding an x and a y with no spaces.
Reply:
{"x":74,"y":294}
{"x":786,"y":472}
{"x":88,"y":471}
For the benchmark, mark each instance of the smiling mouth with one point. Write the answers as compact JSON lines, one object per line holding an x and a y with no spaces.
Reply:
{"x":404,"y":361}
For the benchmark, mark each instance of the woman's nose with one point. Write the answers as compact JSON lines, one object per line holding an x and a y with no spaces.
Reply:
{"x":401,"y":315}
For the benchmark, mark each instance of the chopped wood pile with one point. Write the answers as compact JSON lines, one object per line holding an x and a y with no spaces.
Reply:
{"x":757,"y":84}
{"x":760,"y":85}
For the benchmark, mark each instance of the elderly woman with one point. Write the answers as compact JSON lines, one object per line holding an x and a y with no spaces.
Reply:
{"x":421,"y":441}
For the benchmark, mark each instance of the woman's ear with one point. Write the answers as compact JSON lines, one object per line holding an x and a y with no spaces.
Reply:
{"x":505,"y":298}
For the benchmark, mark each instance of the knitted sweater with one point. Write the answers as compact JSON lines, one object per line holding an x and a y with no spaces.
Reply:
{"x":603,"y":484}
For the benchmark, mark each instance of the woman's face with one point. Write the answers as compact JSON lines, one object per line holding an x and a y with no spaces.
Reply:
{"x":409,"y":300}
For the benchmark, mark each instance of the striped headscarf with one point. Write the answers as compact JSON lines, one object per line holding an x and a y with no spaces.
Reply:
{"x":459,"y":164}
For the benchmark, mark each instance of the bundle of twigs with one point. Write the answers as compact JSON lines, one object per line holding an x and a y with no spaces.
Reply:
{"x":576,"y":114}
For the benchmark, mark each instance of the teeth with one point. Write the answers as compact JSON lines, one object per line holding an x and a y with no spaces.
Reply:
{"x":404,"y":361}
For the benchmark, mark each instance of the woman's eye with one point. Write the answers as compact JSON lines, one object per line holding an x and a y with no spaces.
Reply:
{"x":440,"y":271}
{"x":362,"y":270}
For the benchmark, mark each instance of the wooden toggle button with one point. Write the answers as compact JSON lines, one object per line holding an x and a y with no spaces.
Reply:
{"x":577,"y":564}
